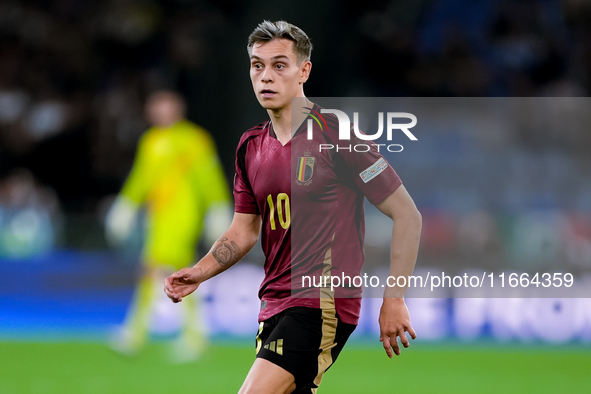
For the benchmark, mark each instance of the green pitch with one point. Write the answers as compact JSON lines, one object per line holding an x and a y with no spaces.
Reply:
{"x":48,"y":368}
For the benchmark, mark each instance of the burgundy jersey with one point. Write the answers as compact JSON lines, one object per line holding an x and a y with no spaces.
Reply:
{"x":311,"y":205}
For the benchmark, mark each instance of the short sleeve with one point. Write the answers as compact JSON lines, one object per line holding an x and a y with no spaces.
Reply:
{"x":244,"y":199}
{"x":374,"y":176}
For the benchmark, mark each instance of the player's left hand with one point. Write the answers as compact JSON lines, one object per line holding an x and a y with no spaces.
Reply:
{"x":394,"y":322}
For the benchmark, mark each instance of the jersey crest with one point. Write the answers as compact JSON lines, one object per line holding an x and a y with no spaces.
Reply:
{"x":305,"y":169}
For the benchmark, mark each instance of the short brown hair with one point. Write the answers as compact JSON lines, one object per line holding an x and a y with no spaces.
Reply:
{"x":267,"y":31}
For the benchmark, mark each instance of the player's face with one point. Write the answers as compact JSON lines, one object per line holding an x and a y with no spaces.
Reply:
{"x":275,"y":73}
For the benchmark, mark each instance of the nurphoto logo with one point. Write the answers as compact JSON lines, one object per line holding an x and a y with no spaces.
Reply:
{"x":345,"y":129}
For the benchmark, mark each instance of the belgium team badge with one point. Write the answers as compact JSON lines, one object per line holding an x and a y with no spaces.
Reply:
{"x":304,"y":170}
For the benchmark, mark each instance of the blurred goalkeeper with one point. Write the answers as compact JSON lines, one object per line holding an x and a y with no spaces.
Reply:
{"x":177,"y":174}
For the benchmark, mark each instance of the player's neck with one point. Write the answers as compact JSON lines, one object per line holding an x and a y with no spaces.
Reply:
{"x":286,"y":122}
{"x":281,"y":119}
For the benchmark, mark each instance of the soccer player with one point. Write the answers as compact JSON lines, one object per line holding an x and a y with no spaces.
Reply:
{"x":308,"y":206}
{"x":178,"y":175}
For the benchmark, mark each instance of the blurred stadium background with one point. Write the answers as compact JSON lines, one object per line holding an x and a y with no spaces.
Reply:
{"x":73,"y":79}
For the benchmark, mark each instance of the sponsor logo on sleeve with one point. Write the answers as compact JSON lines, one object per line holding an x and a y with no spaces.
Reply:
{"x":374,"y":170}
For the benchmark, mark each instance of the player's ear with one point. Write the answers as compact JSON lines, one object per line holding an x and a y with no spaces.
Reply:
{"x":305,"y":68}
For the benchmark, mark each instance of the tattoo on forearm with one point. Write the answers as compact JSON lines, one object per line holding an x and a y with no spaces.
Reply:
{"x":225,"y":251}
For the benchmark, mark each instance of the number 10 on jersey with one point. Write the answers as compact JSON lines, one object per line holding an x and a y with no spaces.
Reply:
{"x":283,"y":215}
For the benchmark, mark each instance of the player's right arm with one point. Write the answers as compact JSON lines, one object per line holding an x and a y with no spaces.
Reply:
{"x":227,"y":251}
{"x":232,"y":245}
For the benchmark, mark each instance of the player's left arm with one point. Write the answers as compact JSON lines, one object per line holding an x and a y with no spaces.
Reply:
{"x":394,"y":317}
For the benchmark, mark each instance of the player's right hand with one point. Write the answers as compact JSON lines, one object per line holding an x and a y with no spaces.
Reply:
{"x":181,"y":284}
